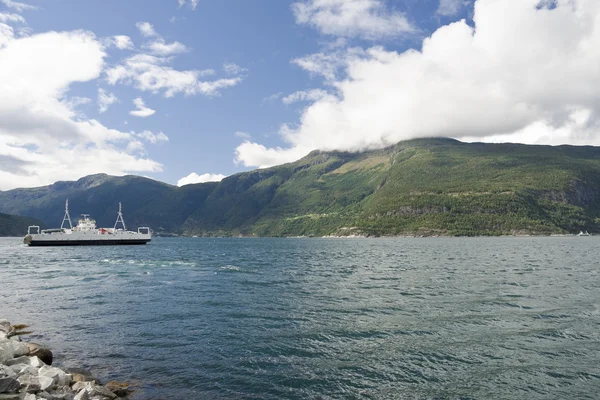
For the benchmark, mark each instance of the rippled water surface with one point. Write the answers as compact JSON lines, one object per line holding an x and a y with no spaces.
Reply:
{"x":481,"y":318}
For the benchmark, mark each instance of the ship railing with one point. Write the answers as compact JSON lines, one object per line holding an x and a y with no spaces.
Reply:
{"x":37,"y":228}
{"x":144,"y":230}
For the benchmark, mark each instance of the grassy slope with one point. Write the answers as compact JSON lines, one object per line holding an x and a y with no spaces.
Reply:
{"x":422,"y":187}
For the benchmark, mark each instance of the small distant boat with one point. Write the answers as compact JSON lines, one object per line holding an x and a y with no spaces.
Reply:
{"x":582,"y":233}
{"x":86,"y":233}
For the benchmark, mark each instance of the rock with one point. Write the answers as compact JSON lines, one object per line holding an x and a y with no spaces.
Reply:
{"x":10,"y":396}
{"x":30,"y":383}
{"x":81,"y":375}
{"x":42,"y":353}
{"x":9,"y":385}
{"x":36,"y":362}
{"x":94,"y":391}
{"x":17,"y":368}
{"x":29,"y":370}
{"x":5,"y":326}
{"x":101,"y":391}
{"x":10,"y":349}
{"x":77,"y":386}
{"x":82,"y":395}
{"x":121,"y":389}
{"x":6,"y":371}
{"x":19,"y":360}
{"x":30,"y":396}
{"x":60,"y":393}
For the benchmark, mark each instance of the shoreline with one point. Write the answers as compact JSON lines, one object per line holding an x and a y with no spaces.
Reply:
{"x":26,"y":373}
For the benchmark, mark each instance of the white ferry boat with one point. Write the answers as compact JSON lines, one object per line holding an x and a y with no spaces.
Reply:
{"x":86,"y":233}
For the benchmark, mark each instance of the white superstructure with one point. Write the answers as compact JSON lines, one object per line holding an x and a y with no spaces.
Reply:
{"x":86,"y":233}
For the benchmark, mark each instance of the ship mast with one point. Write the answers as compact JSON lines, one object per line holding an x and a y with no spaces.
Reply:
{"x":67,"y":217}
{"x":120,"y":219}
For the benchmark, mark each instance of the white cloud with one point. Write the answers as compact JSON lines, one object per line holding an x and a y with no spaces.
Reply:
{"x":161,"y":48}
{"x":243,"y":135}
{"x":305,"y":95}
{"x":18,"y":6}
{"x":41,"y":133}
{"x":274,"y":96}
{"x":233,"y":69}
{"x":5,"y":17}
{"x":328,"y":64}
{"x":193,"y":3}
{"x":450,"y":7}
{"x":141,"y":110}
{"x":367,"y":19}
{"x":122,"y":42}
{"x":6,"y":34}
{"x":150,"y":73}
{"x":257,"y":155}
{"x":105,"y":99}
{"x":195,"y":178}
{"x":146,"y":29}
{"x":533,"y":78}
{"x":153,"y":138}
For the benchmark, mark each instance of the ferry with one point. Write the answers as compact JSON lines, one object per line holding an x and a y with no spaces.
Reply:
{"x":86,"y":233}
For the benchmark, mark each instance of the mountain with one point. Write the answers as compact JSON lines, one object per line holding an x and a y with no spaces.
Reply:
{"x":15,"y":225}
{"x":417,"y":187}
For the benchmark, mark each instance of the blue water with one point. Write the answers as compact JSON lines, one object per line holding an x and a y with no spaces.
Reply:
{"x":480,"y":318}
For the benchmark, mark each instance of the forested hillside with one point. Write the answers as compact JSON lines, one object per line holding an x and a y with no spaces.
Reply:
{"x":418,"y":187}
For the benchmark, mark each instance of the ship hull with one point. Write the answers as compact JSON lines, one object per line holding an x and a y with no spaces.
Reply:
{"x":87,"y":238}
{"x":87,"y":242}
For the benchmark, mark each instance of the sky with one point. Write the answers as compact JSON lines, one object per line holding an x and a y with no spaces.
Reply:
{"x":188,"y":91}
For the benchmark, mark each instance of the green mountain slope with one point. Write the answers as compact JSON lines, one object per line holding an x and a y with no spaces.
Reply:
{"x":15,"y":225}
{"x":418,"y":187}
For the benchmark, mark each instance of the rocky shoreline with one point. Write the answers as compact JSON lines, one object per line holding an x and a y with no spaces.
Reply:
{"x":26,"y":373}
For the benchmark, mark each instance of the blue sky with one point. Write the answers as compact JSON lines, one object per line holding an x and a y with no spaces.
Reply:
{"x":172,"y":89}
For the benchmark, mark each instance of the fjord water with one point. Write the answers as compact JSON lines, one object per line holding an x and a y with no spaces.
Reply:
{"x":187,"y":318}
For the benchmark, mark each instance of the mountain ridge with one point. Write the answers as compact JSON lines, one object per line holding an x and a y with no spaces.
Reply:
{"x":418,"y":187}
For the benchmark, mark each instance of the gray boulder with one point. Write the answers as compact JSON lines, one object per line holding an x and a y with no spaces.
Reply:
{"x":40,"y":352}
{"x":10,"y":349}
{"x":9,"y":385}
{"x":5,"y":326}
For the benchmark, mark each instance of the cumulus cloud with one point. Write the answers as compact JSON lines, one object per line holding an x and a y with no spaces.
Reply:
{"x":39,"y":128}
{"x":193,"y":3}
{"x":140,"y":109}
{"x":524,"y":71}
{"x":450,"y":7}
{"x":18,"y":6}
{"x":367,"y":19}
{"x":151,"y":73}
{"x":6,"y":17}
{"x":162,"y":48}
{"x":105,"y":99}
{"x":122,"y":42}
{"x":243,"y":135}
{"x":328,"y":64}
{"x":233,"y":69}
{"x":146,"y":29}
{"x":305,"y":95}
{"x":153,"y":138}
{"x":257,"y":155}
{"x":6,"y":34}
{"x":195,"y":178}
